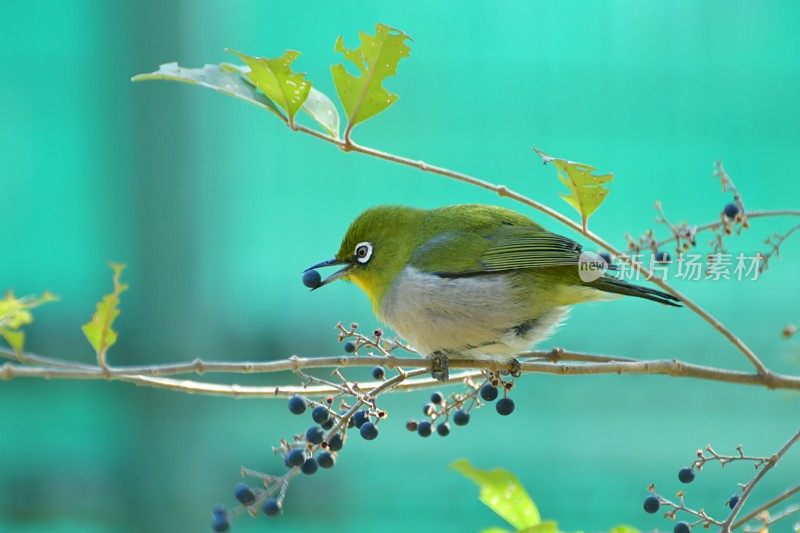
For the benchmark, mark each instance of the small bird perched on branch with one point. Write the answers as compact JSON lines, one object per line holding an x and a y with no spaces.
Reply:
{"x":469,"y":281}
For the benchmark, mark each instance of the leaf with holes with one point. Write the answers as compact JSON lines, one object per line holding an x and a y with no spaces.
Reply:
{"x":376,"y":58}
{"x":16,"y":313}
{"x":275,"y":78}
{"x":586,"y":190}
{"x":99,"y":331}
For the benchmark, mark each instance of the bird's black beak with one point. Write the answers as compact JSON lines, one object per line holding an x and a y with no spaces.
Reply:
{"x":333,"y":277}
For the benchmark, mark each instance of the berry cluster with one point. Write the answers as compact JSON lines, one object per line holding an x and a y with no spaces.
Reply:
{"x":654,"y":502}
{"x":440,"y":410}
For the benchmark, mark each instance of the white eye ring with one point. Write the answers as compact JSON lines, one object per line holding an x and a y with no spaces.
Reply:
{"x":363,"y":252}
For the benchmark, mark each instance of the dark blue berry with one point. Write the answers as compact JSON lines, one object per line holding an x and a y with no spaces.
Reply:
{"x":505,"y":406}
{"x":731,"y":210}
{"x":336,"y":443}
{"x":461,"y":418}
{"x":328,"y":425}
{"x":682,"y":527}
{"x":312,"y":279}
{"x":651,"y":504}
{"x":606,"y":257}
{"x":295,"y":457}
{"x":320,"y":414}
{"x":662,"y":257}
{"x":733,"y":501}
{"x":297,"y":405}
{"x":272,"y":507}
{"x":443,"y":429}
{"x":349,"y":347}
{"x":244,"y":494}
{"x":325,"y":459}
{"x":360,"y":418}
{"x":220,"y":523}
{"x":489,"y":392}
{"x":309,"y":466}
{"x":368,"y":430}
{"x":428,"y":409}
{"x":219,"y":510}
{"x":378,"y":373}
{"x":314,"y":435}
{"x":686,"y":475}
{"x":437,"y":398}
{"x":424,"y":429}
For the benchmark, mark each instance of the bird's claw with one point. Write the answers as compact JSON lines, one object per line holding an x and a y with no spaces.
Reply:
{"x":439,"y":367}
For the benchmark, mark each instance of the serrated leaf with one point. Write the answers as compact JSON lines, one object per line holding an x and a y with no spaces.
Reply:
{"x":15,"y":313}
{"x":99,"y":331}
{"x":502,"y":492}
{"x":376,"y":59}
{"x":277,"y":81}
{"x":224,"y":78}
{"x":586,"y":190}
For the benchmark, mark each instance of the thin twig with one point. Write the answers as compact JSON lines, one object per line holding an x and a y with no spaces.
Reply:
{"x":769,"y":504}
{"x":748,"y":488}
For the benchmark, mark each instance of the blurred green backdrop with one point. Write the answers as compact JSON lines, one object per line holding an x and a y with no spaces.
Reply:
{"x":217,"y":208}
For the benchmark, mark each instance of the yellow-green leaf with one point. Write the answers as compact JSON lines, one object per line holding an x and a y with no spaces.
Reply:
{"x":99,"y":330}
{"x":548,"y":526}
{"x":623,"y":528}
{"x":502,"y":492}
{"x":376,"y":58}
{"x":276,"y":80}
{"x":15,"y":313}
{"x":586,"y":190}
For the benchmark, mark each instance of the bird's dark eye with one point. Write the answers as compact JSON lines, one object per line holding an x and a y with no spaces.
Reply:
{"x":363,"y":252}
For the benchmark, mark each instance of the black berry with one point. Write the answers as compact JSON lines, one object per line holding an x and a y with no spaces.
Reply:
{"x":220,"y":523}
{"x":369,"y":431}
{"x":731,"y":210}
{"x":272,"y":507}
{"x":651,"y":504}
{"x":309,"y":466}
{"x":360,"y":418}
{"x":606,"y":257}
{"x":314,"y":435}
{"x":349,"y":347}
{"x":244,"y":494}
{"x":682,"y":527}
{"x":461,"y":418}
{"x":325,"y":459}
{"x":312,"y":279}
{"x":219,"y":510}
{"x":411,"y":425}
{"x":662,"y":257}
{"x":428,"y":409}
{"x":297,"y":405}
{"x":437,"y":398}
{"x":443,"y":429}
{"x":378,"y":373}
{"x":505,"y":406}
{"x":424,"y":429}
{"x":733,"y":501}
{"x":489,"y":392}
{"x":336,"y":443}
{"x":320,"y":414}
{"x":686,"y":475}
{"x":328,"y":425}
{"x":295,"y":457}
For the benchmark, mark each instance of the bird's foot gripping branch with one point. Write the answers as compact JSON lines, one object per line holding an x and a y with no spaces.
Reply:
{"x":342,"y":406}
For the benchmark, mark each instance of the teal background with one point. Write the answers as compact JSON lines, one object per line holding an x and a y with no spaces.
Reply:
{"x":216,"y":208}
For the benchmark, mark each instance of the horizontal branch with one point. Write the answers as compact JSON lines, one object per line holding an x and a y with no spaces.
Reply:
{"x":551,"y":362}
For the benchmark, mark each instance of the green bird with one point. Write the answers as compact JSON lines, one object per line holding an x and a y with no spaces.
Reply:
{"x":468,"y":281}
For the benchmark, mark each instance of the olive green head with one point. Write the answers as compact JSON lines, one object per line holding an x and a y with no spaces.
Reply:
{"x":377,"y":247}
